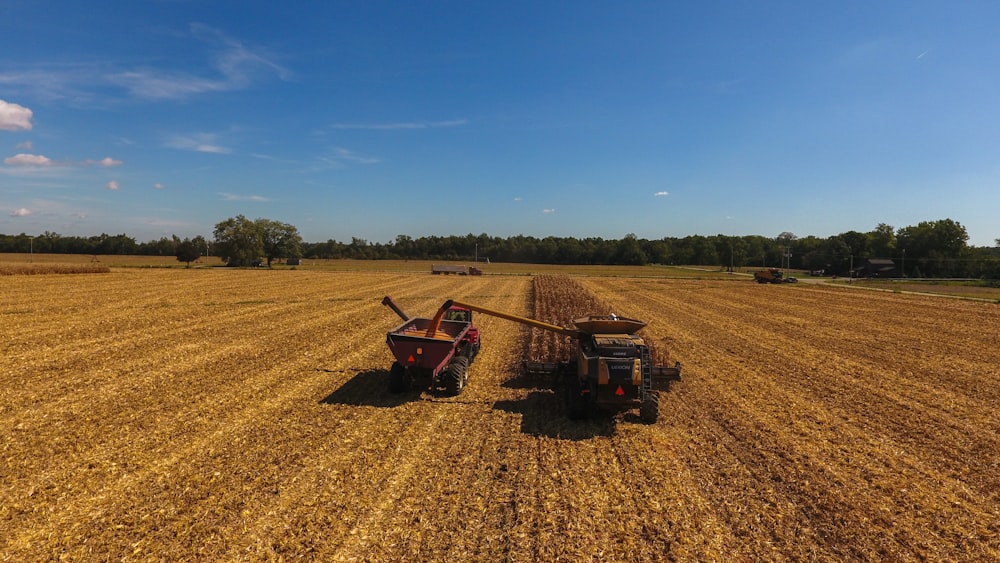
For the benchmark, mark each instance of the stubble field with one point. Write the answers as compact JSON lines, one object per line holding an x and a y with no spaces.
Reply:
{"x":242,"y":415}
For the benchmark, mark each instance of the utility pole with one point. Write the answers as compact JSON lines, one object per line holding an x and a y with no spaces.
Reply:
{"x":904,"y":264}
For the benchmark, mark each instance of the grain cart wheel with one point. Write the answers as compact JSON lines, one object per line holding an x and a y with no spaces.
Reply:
{"x":399,"y":379}
{"x":457,"y":375}
{"x":649,"y":410}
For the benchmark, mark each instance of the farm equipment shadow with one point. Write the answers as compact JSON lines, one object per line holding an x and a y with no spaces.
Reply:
{"x":369,"y":388}
{"x":524,"y":380}
{"x":543,"y":414}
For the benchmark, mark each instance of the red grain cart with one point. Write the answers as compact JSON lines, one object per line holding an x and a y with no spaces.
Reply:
{"x":439,"y":350}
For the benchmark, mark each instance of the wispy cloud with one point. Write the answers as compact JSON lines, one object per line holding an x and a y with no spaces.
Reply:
{"x":548,"y":211}
{"x":158,"y":186}
{"x":53,"y":82}
{"x":237,"y":197}
{"x":922,"y":55}
{"x":31,"y":160}
{"x":340,"y":157}
{"x":401,"y":125}
{"x":38,"y":161}
{"x":14,"y":117}
{"x":22,"y":212}
{"x":344,"y":154}
{"x":230,"y":65}
{"x":200,"y":142}
{"x":113,"y":185}
{"x":235,"y":65}
{"x":661,"y":194}
{"x":518,"y":198}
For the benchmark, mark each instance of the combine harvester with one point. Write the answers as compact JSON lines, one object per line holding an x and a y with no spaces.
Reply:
{"x":772,"y":275}
{"x":613,"y":366}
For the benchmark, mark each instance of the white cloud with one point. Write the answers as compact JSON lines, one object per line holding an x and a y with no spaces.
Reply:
{"x":548,"y":211}
{"x":518,"y":198}
{"x":113,"y":185}
{"x":200,"y":142}
{"x":26,"y":146}
{"x":14,"y":117}
{"x":401,"y":125}
{"x":237,"y":197}
{"x":24,"y":159}
{"x":158,"y":186}
{"x":106,"y":162}
{"x":22,"y":212}
{"x":661,"y":194}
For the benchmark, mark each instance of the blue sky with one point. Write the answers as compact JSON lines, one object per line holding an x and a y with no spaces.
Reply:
{"x":373,"y":119}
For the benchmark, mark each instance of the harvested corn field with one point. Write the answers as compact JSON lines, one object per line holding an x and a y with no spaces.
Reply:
{"x":243,"y":415}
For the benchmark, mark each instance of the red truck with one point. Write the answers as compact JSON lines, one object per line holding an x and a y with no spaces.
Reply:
{"x":439,"y":350}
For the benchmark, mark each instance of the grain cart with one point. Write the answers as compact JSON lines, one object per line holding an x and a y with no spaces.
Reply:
{"x":613,"y":366}
{"x":442,"y":355}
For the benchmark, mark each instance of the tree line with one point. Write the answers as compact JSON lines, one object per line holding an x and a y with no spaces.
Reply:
{"x":929,"y":249}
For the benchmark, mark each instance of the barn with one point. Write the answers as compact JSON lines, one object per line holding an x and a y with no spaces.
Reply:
{"x":877,"y":268}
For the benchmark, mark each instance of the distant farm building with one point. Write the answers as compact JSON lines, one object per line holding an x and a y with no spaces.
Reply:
{"x":878,"y":268}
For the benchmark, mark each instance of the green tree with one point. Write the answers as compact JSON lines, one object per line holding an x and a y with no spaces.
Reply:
{"x":279,"y":240}
{"x":187,"y":251}
{"x":936,"y":247}
{"x":629,"y":252}
{"x":238,"y":241}
{"x":882,"y":241}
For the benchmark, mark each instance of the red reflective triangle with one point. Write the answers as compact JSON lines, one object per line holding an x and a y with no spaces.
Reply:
{"x":619,"y":391}
{"x":411,"y":359}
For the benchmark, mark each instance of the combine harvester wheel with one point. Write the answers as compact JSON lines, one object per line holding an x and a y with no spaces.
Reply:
{"x":649,"y":410}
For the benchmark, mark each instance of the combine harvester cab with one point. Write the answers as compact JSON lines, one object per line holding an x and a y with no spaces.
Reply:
{"x":437,"y":351}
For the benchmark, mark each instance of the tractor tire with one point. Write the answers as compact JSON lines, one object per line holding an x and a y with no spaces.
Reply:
{"x":577,"y":406}
{"x":400,"y":380}
{"x":457,"y":375}
{"x":649,"y":410}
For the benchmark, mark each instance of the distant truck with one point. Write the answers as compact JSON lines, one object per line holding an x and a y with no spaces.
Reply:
{"x":460,"y":270}
{"x":772,"y":275}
